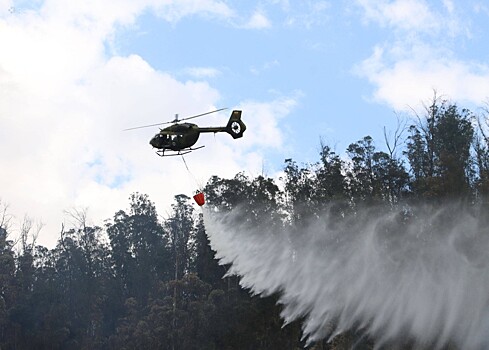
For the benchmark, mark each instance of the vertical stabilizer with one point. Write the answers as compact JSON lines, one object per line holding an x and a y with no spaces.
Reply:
{"x":235,"y":126}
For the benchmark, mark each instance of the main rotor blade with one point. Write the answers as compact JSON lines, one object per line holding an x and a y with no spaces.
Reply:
{"x":145,"y":126}
{"x":175,"y":121}
{"x":200,"y":115}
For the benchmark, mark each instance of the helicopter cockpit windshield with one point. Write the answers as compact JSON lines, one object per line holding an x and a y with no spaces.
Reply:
{"x":160,"y":141}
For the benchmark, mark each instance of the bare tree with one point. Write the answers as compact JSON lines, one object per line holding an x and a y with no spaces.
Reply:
{"x":5,"y":219}
{"x":29,"y":232}
{"x":78,"y":217}
{"x":392,"y":140}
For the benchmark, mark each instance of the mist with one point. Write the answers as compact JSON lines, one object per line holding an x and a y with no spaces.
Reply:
{"x":414,"y":274}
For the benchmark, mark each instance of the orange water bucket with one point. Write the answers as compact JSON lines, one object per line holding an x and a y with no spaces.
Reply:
{"x":199,"y":199}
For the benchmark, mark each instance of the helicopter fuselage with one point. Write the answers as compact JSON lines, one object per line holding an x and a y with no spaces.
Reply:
{"x":176,"y":137}
{"x":182,"y":136}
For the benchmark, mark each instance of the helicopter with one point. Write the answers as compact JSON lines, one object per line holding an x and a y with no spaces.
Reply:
{"x":178,"y":138}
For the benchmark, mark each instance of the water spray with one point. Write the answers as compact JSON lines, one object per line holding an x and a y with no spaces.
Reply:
{"x":418,"y":275}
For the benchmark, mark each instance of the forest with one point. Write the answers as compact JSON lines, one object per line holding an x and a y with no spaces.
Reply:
{"x":138,"y":281}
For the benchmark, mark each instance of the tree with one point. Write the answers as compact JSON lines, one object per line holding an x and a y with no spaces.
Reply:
{"x":7,"y":277}
{"x":330,"y":180}
{"x":256,"y":198}
{"x":204,"y":260}
{"x":374,"y":176}
{"x":360,"y":174}
{"x":299,"y":189}
{"x":438,"y":150}
{"x":179,"y":229}
{"x":227,"y":194}
{"x":139,"y":248}
{"x":392,"y":178}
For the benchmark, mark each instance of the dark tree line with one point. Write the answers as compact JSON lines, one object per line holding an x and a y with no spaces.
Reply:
{"x":139,"y":282}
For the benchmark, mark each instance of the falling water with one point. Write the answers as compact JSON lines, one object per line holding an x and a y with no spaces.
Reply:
{"x":420,"y":274}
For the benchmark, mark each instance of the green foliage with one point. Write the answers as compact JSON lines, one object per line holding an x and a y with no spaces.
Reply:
{"x":179,"y":228}
{"x":139,"y":248}
{"x":204,"y":263}
{"x":374,"y":176}
{"x":257,"y":198}
{"x":439,"y":152}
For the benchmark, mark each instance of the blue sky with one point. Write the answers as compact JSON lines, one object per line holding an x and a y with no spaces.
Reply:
{"x":74,"y":74}
{"x":304,"y":60}
{"x":317,"y":53}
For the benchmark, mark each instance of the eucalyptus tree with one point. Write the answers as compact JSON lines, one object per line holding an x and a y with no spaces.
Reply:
{"x":439,"y":152}
{"x":299,"y":187}
{"x":7,"y":278}
{"x":139,"y":248}
{"x":374,"y":176}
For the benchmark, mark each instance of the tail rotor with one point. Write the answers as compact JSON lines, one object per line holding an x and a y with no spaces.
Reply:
{"x":235,"y":126}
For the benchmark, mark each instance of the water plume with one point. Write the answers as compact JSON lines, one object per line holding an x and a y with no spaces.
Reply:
{"x":417,"y":274}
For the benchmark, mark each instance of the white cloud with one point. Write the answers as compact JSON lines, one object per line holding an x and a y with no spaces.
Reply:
{"x":403,"y":14}
{"x":481,"y":7}
{"x":258,"y":21}
{"x":64,"y":103}
{"x":449,"y":5}
{"x":308,"y":14}
{"x":414,"y":16}
{"x":6,"y":7}
{"x":269,"y":65}
{"x":202,"y":72}
{"x":284,"y":4}
{"x":264,"y":119}
{"x":175,"y":10}
{"x":406,"y":80}
{"x":423,"y":55}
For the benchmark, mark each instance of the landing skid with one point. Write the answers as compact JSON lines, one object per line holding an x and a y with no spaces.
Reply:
{"x":171,"y":153}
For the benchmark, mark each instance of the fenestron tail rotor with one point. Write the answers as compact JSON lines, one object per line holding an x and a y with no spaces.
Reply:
{"x":176,"y":120}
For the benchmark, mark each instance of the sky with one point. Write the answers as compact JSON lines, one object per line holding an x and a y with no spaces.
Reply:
{"x":74,"y":74}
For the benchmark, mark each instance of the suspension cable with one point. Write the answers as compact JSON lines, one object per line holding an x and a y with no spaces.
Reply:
{"x":192,"y":175}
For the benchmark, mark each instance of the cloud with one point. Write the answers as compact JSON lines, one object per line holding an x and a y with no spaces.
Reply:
{"x":413,"y":16}
{"x":449,"y":5}
{"x":6,"y":7}
{"x":64,"y":101}
{"x":173,"y":11}
{"x":480,"y":7}
{"x":264,"y":119}
{"x":258,"y":21}
{"x":308,"y":14}
{"x":202,"y":72}
{"x":421,"y":54}
{"x":407,"y":80}
{"x":403,"y":14}
{"x":269,"y":65}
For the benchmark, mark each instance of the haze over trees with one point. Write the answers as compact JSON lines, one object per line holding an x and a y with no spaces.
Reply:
{"x":142,"y":282}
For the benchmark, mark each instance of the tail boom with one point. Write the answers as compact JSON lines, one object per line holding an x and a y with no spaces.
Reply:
{"x":235,"y":126}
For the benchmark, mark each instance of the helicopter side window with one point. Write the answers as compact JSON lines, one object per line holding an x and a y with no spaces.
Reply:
{"x":164,"y":139}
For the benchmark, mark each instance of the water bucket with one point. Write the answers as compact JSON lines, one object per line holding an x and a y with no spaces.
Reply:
{"x":199,"y":199}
